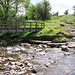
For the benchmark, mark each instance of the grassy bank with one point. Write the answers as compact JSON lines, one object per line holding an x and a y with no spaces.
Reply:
{"x":52,"y":27}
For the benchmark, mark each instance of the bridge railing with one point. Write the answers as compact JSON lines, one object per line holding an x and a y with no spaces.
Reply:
{"x":17,"y":25}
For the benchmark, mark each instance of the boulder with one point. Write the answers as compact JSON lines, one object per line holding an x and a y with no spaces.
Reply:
{"x":66,"y":53}
{"x":37,"y":68}
{"x":71,"y":45}
{"x":42,"y":53}
{"x":38,"y":50}
{"x":44,"y":46}
{"x":64,"y":48}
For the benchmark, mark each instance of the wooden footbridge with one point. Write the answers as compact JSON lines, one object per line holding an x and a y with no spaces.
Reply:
{"x":16,"y":26}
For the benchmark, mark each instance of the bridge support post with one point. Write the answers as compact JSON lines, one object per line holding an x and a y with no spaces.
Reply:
{"x":36,"y":27}
{"x":0,"y":27}
{"x":16,"y":26}
{"x":24,"y":26}
{"x":30,"y":26}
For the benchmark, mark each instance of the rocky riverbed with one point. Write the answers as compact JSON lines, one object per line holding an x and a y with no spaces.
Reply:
{"x":46,"y":58}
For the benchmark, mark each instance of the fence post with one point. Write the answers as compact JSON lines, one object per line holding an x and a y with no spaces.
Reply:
{"x":24,"y":26}
{"x":30,"y":26}
{"x":0,"y":26}
{"x":16,"y":26}
{"x":41,"y":25}
{"x":36,"y":27}
{"x":9,"y":27}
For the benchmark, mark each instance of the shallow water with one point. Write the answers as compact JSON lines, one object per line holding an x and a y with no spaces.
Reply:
{"x":59,"y":63}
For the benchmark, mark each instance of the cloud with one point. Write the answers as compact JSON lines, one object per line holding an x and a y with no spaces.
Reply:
{"x":59,"y":5}
{"x":62,"y":5}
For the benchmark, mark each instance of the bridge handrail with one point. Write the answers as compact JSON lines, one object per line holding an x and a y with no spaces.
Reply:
{"x":20,"y":24}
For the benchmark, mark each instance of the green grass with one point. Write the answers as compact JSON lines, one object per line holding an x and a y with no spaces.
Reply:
{"x":68,"y":19}
{"x":51,"y":29}
{"x":61,"y":38}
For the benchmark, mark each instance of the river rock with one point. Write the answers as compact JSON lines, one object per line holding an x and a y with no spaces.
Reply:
{"x":11,"y":63}
{"x":71,"y":45}
{"x":38,"y":50}
{"x":29,"y":64}
{"x":18,"y":63}
{"x":66,"y":53}
{"x":7,"y":73}
{"x":64,"y":48}
{"x":37,"y":68}
{"x":7,"y":68}
{"x":12,"y":72}
{"x":21,"y":73}
{"x":44,"y":46}
{"x":47,"y":64}
{"x":25,"y":44}
{"x":42,"y":53}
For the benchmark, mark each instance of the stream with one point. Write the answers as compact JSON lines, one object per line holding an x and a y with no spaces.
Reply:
{"x":37,"y":59}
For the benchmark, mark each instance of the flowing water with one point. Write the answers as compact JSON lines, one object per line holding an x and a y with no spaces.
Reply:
{"x":53,"y":61}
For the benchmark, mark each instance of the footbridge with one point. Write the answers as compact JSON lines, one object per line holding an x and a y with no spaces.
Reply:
{"x":17,"y":26}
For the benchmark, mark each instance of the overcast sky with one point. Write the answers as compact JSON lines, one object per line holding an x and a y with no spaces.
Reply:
{"x":59,"y":5}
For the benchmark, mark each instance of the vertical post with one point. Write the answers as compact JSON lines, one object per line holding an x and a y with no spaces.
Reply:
{"x":16,"y":26}
{"x":0,"y":26}
{"x":24,"y":26}
{"x":30,"y":26}
{"x":44,"y":25}
{"x":9,"y":27}
{"x":36,"y":27}
{"x":41,"y":25}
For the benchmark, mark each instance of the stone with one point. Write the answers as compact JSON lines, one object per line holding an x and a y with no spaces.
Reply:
{"x":40,"y":45}
{"x":19,"y":64}
{"x":11,"y":59}
{"x":23,"y":69}
{"x":12,"y":72}
{"x":7,"y":73}
{"x":25,"y":44}
{"x":37,"y":68}
{"x":7,"y":68}
{"x":64,"y":48}
{"x":71,"y":45}
{"x":13,"y":66}
{"x":11,"y":63}
{"x":38,"y":50}
{"x":44,"y":46}
{"x":47,"y":64}
{"x":42,"y":53}
{"x":66,"y":53}
{"x":29,"y":64}
{"x":21,"y":73}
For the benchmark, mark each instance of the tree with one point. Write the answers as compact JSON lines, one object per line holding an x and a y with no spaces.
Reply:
{"x":66,"y":12}
{"x":10,"y":8}
{"x":56,"y":14}
{"x":31,"y":12}
{"x":43,"y":10}
{"x":74,"y":9}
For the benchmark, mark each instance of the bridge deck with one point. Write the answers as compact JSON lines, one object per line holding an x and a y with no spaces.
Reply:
{"x":11,"y":26}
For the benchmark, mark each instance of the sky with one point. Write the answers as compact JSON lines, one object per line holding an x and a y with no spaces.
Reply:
{"x":59,"y":5}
